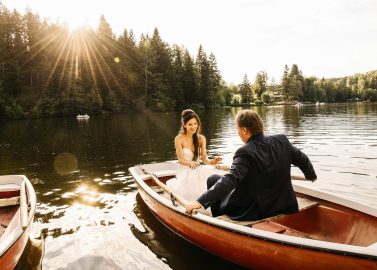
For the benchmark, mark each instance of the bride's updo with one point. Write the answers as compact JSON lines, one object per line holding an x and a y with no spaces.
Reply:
{"x":187,"y":115}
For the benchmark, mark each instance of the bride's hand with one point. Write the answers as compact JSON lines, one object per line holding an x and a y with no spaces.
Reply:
{"x":194,"y":164}
{"x":217,"y":160}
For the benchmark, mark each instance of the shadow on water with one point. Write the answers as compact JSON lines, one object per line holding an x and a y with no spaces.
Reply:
{"x":31,"y":258}
{"x":171,"y":248}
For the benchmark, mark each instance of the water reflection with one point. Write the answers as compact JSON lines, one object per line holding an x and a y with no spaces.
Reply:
{"x":169,"y":247}
{"x":86,"y":202}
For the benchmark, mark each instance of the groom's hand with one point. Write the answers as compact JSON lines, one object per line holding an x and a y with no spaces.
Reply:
{"x":222,"y":167}
{"x":191,"y":206}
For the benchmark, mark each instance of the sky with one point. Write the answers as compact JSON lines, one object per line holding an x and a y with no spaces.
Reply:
{"x":325,"y":38}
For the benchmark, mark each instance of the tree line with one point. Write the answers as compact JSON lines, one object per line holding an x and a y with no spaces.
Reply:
{"x":295,"y":87}
{"x":46,"y":70}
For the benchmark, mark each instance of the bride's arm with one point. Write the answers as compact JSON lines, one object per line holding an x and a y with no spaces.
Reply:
{"x":203,"y":151}
{"x":180,"y":157}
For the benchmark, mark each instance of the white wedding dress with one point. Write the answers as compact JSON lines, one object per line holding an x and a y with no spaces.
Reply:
{"x":191,"y":183}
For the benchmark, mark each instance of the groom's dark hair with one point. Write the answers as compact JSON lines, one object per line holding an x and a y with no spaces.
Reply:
{"x":250,"y":120}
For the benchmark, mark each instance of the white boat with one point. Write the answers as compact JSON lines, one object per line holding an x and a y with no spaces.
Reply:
{"x":17,"y":207}
{"x":82,"y":116}
{"x":328,"y":232}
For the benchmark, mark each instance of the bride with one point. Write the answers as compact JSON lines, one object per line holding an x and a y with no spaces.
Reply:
{"x":190,"y":146}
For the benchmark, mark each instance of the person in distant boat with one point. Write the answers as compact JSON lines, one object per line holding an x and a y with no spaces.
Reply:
{"x":258,"y":184}
{"x":190,"y":147}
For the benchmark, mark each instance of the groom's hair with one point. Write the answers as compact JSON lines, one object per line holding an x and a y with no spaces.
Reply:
{"x":250,"y":120}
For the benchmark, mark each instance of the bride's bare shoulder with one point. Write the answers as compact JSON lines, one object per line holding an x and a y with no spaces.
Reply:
{"x":202,"y":138}
{"x":178,"y":138}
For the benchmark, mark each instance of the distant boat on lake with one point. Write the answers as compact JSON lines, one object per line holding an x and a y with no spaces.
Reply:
{"x":82,"y":116}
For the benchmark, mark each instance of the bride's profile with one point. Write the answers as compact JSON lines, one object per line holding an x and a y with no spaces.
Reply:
{"x":190,"y":146}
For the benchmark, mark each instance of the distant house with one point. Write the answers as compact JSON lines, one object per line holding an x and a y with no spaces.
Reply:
{"x":276,"y":96}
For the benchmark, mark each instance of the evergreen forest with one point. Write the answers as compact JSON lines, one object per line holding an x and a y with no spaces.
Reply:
{"x":46,"y":70}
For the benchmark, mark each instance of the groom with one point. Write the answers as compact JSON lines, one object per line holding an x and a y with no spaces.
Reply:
{"x":258,"y":184}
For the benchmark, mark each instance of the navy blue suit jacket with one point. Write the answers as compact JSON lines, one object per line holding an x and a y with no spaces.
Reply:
{"x":258,"y":184}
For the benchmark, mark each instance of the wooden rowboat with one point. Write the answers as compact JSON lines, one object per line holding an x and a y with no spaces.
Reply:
{"x":328,"y":232}
{"x":17,"y":207}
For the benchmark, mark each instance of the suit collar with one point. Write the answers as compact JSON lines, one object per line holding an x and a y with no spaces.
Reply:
{"x":255,"y":138}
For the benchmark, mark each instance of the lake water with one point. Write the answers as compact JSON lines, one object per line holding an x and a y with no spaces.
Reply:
{"x":89,"y":215}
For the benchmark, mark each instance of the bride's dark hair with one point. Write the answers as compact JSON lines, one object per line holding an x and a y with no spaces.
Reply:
{"x":187,"y":115}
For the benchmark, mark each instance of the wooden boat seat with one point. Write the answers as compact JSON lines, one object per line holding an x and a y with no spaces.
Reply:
{"x":239,"y":222}
{"x":9,"y":201}
{"x":9,"y":187}
{"x":304,"y":203}
{"x":9,"y":194}
{"x":270,"y":227}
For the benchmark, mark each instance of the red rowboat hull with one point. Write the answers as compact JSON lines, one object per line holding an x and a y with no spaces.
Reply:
{"x":10,"y":258}
{"x":249,"y":251}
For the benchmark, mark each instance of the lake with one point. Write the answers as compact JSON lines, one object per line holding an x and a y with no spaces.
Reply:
{"x":89,"y":215}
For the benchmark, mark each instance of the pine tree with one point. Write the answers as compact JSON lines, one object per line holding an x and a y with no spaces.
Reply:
{"x":162,"y":76}
{"x":107,"y":69}
{"x":296,"y":81}
{"x":285,"y":83}
{"x":189,"y":81}
{"x":104,"y":29}
{"x":215,"y":83}
{"x":245,"y":90}
{"x":178,"y":76}
{"x":131,"y":66}
{"x":202,"y":70}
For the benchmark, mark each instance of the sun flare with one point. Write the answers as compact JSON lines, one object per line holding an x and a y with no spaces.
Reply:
{"x":76,"y":24}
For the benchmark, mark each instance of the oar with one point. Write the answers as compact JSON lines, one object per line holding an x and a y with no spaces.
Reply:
{"x":23,"y":206}
{"x":176,"y":197}
{"x":173,"y":196}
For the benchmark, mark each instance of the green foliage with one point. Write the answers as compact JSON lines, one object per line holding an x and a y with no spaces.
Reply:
{"x":260,"y":84}
{"x":369,"y":94}
{"x":266,"y":98}
{"x":227,"y":92}
{"x":236,"y":99}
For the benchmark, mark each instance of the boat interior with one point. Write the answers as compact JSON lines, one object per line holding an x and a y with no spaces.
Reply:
{"x":9,"y":205}
{"x":316,"y":219}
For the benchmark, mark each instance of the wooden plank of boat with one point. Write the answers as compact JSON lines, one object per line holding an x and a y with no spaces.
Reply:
{"x":17,"y":207}
{"x":322,"y":235}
